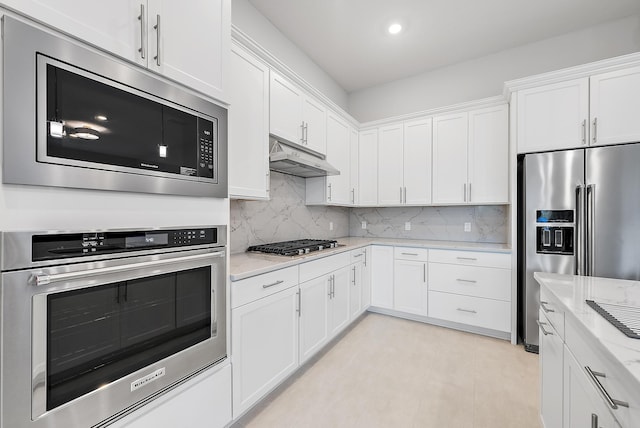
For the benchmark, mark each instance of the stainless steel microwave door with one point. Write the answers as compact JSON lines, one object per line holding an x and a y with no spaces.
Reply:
{"x":551,"y":180}
{"x":613,"y":204}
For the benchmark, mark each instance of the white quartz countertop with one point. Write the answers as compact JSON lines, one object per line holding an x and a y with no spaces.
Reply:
{"x":572,"y":291}
{"x":245,"y":265}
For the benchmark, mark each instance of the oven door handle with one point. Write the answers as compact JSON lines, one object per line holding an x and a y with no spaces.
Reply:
{"x":48,"y":279}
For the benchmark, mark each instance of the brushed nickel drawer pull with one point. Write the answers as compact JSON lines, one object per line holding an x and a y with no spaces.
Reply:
{"x":471,"y":311}
{"x":545,"y":332}
{"x":409,"y":254}
{"x":273,"y":284}
{"x":612,"y":402}
{"x":467,"y":258}
{"x":544,"y":307}
{"x":466,"y":280}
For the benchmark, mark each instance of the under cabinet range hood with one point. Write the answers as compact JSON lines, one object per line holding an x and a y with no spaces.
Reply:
{"x":292,"y":159}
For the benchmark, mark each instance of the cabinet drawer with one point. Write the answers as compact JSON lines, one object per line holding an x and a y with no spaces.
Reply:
{"x":316,"y":268}
{"x":476,"y":311}
{"x":616,"y":381}
{"x":259,"y":286}
{"x":474,"y":281}
{"x":552,"y":312}
{"x":409,"y":253}
{"x":471,"y":258}
{"x":358,"y":255}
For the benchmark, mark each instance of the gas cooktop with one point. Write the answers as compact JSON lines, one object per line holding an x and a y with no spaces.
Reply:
{"x":294,"y":248}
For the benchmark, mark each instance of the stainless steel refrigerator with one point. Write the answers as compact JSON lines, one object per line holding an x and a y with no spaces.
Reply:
{"x":579,"y":213}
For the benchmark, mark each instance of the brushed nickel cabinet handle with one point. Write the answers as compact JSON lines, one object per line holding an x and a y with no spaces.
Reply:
{"x":157,"y":28}
{"x":595,"y":129}
{"x":470,"y":281}
{"x":544,"y":307}
{"x":471,"y":311}
{"x":545,"y":332}
{"x":612,"y":402}
{"x":584,"y":131}
{"x":273,"y":284}
{"x":142,"y":32}
{"x":467,"y":258}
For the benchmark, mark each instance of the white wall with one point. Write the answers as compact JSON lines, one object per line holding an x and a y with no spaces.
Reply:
{"x":255,"y":25}
{"x":484,"y":77}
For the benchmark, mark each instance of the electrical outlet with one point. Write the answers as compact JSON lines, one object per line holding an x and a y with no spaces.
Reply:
{"x":330,"y":225}
{"x":407,"y":225}
{"x":364,"y":224}
{"x":467,"y":227}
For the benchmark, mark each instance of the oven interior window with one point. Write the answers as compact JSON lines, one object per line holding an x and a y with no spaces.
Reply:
{"x":99,"y":334}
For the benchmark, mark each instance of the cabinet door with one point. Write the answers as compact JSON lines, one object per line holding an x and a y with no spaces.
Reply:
{"x":368,"y":168}
{"x":339,"y":301}
{"x":338,"y":150}
{"x":382,"y":277}
{"x":390,"y":165}
{"x":410,"y":287}
{"x":355,"y":290}
{"x":314,"y":115}
{"x":285,"y":107}
{"x":248,"y":126}
{"x":450,"y":134}
{"x":366,"y":280}
{"x":113,"y":26}
{"x":190,"y":42}
{"x":583,"y":406}
{"x":314,"y":316}
{"x":353,"y":166}
{"x":264,"y":346}
{"x":417,"y":162}
{"x":551,"y":369}
{"x":553,"y":116}
{"x":489,"y":155}
{"x":615,"y":102}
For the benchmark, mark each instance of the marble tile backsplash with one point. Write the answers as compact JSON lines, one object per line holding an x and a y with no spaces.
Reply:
{"x":488,"y":223}
{"x":284,"y":217}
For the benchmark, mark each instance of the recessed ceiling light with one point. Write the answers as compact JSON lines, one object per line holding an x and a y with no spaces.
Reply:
{"x":395,"y":28}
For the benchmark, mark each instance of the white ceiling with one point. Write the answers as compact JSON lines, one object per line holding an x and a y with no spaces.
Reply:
{"x":348,"y":38}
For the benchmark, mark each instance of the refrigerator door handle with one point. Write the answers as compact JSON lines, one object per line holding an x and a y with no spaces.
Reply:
{"x":580,"y":231}
{"x":590,"y":255}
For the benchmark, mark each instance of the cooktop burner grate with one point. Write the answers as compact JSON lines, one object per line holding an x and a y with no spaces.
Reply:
{"x":624,"y":318}
{"x":294,"y":248}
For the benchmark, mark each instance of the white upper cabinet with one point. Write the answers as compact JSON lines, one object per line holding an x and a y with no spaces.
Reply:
{"x":248,"y":126}
{"x":354,"y":165}
{"x":296,"y":117}
{"x":614,"y":107}
{"x":188,"y":42}
{"x":417,"y":162}
{"x":390,"y":165}
{"x":489,"y":155}
{"x":338,"y":152}
{"x":553,"y":116}
{"x":285,"y":109}
{"x":450,"y":135}
{"x":368,"y":168}
{"x":471,"y":157}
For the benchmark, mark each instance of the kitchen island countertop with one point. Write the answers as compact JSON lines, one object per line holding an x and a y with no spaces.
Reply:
{"x":571,"y":291}
{"x":245,"y":265}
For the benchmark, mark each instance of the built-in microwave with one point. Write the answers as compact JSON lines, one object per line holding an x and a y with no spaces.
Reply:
{"x":74,"y":117}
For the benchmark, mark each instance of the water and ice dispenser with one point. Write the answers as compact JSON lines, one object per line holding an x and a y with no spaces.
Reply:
{"x":555,"y":231}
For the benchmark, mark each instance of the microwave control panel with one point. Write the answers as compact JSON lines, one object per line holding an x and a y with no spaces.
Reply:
{"x":207,"y":149}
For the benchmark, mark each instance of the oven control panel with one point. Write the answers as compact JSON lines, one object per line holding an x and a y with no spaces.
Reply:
{"x":65,"y":245}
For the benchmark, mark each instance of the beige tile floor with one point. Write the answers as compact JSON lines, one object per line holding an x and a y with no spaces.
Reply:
{"x":389,"y":372}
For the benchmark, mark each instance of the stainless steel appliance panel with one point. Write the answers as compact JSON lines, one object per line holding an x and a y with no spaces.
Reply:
{"x":551,"y":181}
{"x":613,"y":211}
{"x":22,"y":131}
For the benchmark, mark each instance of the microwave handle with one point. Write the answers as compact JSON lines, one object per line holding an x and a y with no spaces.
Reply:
{"x":39,"y":280}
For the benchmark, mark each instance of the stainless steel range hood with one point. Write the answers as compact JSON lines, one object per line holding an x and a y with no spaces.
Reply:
{"x":296,"y":160}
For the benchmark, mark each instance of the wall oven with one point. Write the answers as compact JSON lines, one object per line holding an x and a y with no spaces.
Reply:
{"x":96,"y":323}
{"x":74,"y":117}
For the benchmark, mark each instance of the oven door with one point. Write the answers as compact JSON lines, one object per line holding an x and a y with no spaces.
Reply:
{"x":103,"y":336}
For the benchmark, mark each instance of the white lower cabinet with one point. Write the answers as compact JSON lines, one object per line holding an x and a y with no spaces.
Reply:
{"x":410,"y":280}
{"x":314,"y":316}
{"x":551,"y":369}
{"x":339,"y":301}
{"x":207,"y":397}
{"x":583,"y":406}
{"x":264,"y":346}
{"x":355,"y":290}
{"x":382,"y":276}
